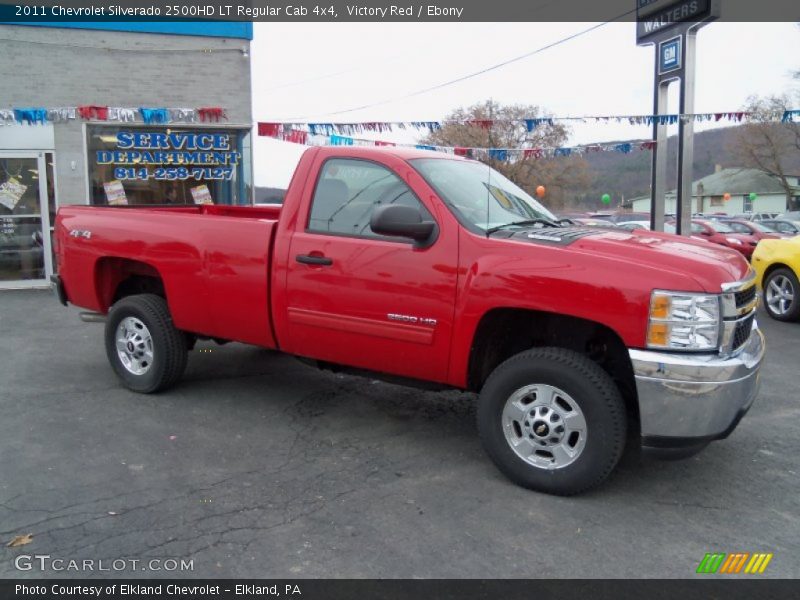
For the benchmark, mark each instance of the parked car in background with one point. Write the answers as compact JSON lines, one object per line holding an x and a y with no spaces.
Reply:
{"x":758,"y":216}
{"x":777,"y":265}
{"x":590,"y":222}
{"x":627,"y":217}
{"x":784,"y":226}
{"x":631,"y":225}
{"x":619,"y":217}
{"x":757,"y":229}
{"x":719,"y":232}
{"x":669,"y":227}
{"x":600,"y":216}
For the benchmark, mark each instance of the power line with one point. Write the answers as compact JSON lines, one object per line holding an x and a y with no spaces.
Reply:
{"x":476,"y":73}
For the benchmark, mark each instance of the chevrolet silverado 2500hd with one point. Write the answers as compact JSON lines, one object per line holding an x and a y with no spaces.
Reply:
{"x":431,"y":268}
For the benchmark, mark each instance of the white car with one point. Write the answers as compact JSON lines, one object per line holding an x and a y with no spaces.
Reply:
{"x":759,"y":216}
{"x":631,"y":225}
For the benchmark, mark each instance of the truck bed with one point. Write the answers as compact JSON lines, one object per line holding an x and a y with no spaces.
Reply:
{"x":214,"y":262}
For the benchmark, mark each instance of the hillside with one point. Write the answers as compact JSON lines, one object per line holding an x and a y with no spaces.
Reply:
{"x":628,"y":175}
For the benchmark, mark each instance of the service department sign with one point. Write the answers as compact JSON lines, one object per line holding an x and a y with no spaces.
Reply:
{"x":173,"y":155}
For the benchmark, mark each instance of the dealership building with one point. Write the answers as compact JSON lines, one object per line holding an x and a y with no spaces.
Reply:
{"x":117,"y":114}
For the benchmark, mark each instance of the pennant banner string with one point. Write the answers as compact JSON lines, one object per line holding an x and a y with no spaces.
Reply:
{"x":92,"y":112}
{"x":298,"y":136}
{"x":532,"y":123}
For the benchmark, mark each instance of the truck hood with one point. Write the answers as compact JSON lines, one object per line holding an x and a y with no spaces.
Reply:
{"x":708,"y":264}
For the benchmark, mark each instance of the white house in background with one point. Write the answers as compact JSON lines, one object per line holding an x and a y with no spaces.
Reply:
{"x":708,"y":193}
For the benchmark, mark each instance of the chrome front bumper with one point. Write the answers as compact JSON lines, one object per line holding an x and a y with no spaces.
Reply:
{"x":690,"y":399}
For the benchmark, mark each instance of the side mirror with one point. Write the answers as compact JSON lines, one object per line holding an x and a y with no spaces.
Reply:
{"x":403,"y":221}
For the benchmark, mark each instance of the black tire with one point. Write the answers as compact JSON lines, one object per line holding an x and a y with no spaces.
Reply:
{"x":169,"y":346}
{"x":793,"y":311}
{"x":597,"y":397}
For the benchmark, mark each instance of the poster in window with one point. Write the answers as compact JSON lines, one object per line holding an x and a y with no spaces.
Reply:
{"x":11,"y":193}
{"x":201,"y":195}
{"x":115,"y":193}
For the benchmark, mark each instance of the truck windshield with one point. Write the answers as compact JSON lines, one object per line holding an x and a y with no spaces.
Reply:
{"x":480,"y":195}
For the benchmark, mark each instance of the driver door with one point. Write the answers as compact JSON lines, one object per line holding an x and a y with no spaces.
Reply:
{"x":363,"y":300}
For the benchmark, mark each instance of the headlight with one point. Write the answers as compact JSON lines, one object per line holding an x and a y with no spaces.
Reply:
{"x":733,"y":241}
{"x":682,"y":321}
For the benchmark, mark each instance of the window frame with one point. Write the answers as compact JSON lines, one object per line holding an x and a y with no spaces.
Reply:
{"x":375,"y":237}
{"x":740,"y":228}
{"x":698,"y":228}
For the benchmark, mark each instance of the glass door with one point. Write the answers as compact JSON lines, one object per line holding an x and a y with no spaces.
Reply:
{"x":25,"y":248}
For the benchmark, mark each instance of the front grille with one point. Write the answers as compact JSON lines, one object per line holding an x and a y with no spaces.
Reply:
{"x":745,"y":297}
{"x":742,"y":331}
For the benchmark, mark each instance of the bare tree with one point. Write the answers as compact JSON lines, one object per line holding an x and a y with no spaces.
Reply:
{"x":767,"y":145}
{"x":492,"y":125}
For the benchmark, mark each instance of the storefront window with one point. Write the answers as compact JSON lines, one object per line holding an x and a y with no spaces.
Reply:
{"x":21,"y":245}
{"x":168,"y":165}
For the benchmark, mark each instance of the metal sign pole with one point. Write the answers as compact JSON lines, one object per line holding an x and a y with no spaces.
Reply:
{"x":659,"y":167}
{"x":683,"y":207}
{"x":671,"y":26}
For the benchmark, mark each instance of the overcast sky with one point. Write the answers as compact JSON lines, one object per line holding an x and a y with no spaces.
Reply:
{"x":306,"y":71}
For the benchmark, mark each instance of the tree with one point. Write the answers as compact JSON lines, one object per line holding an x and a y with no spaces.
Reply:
{"x":564,"y":178}
{"x":767,"y":145}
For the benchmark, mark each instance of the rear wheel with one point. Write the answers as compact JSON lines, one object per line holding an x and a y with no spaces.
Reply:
{"x":144,"y":348}
{"x":781,"y":299}
{"x":552,"y":421}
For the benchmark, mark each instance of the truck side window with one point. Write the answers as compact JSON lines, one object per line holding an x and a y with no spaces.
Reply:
{"x":349,"y":190}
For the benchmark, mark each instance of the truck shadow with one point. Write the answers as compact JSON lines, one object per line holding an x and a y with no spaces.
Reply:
{"x":351,"y":413}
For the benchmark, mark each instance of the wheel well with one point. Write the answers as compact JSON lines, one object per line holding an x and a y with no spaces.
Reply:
{"x":771,"y":268}
{"x":504,"y":332}
{"x":116,"y":278}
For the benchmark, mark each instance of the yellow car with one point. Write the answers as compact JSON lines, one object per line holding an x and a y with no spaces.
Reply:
{"x":777,"y":264}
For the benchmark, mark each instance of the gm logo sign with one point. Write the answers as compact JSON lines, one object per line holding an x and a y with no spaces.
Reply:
{"x":736,"y":563}
{"x":669,"y":55}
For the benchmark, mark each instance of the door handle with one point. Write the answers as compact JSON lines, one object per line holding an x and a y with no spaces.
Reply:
{"x":309,"y":259}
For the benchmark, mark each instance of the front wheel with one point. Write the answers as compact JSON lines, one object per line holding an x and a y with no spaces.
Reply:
{"x":781,"y":298}
{"x":552,"y":421}
{"x":144,"y":348}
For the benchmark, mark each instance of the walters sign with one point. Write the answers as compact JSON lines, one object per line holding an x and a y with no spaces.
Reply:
{"x":655,"y":16}
{"x":174,"y":155}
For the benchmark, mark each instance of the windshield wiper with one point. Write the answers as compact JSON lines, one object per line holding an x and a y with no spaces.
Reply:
{"x":541,"y":221}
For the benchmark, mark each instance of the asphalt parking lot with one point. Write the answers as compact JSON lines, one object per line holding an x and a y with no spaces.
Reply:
{"x":259,"y":466}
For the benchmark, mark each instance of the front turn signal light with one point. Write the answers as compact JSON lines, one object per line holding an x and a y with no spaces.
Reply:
{"x":658,"y":335}
{"x":660,"y":306}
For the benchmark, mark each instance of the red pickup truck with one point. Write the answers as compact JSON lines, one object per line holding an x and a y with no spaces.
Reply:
{"x":431,"y":269}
